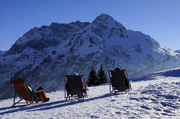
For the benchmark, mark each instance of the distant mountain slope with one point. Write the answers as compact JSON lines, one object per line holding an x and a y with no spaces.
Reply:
{"x":178,"y":51}
{"x":45,"y":54}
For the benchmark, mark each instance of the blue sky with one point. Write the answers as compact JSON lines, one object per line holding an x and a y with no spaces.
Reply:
{"x":159,"y":19}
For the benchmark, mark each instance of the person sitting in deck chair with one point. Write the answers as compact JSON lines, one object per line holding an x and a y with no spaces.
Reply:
{"x":118,"y":81}
{"x":67,"y":86}
{"x":125,"y":79}
{"x":45,"y":99}
{"x":23,"y":89}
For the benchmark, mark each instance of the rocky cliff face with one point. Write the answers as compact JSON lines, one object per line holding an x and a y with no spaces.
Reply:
{"x":44,"y":55}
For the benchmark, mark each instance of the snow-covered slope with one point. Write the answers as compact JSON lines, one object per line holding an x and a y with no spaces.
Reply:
{"x":44,"y":55}
{"x":153,"y":96}
{"x":178,"y":51}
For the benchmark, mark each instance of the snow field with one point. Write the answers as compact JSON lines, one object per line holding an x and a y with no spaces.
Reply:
{"x":153,"y":96}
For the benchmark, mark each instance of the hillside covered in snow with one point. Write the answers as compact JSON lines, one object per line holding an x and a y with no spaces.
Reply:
{"x":178,"y":51}
{"x":44,"y":55}
{"x":155,"y":95}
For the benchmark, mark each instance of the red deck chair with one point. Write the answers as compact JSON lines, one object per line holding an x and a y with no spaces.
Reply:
{"x":118,"y":81}
{"x":74,"y":86}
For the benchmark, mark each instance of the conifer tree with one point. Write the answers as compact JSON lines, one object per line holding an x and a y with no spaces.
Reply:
{"x":92,"y":78}
{"x":102,"y":78}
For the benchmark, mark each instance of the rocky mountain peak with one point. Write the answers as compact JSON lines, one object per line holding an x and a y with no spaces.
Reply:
{"x":105,"y":21}
{"x":102,"y":18}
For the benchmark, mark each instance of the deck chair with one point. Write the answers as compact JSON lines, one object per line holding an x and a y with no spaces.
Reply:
{"x":74,"y":86}
{"x":118,"y":81}
{"x":21,"y":89}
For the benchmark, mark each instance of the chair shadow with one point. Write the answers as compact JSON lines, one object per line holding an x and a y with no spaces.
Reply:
{"x":25,"y":107}
{"x":48,"y":105}
{"x":73,"y":102}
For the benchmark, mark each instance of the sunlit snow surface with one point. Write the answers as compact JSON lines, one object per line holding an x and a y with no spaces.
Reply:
{"x":153,"y":96}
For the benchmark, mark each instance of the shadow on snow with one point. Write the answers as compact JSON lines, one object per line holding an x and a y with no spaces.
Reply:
{"x":47,"y":106}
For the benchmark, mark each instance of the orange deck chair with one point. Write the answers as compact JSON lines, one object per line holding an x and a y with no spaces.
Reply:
{"x":21,"y":89}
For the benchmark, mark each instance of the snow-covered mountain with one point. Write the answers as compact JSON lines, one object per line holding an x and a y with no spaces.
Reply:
{"x":178,"y":51}
{"x":153,"y":96}
{"x":44,"y":55}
